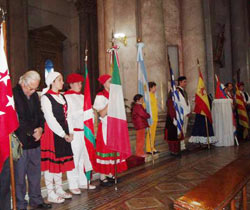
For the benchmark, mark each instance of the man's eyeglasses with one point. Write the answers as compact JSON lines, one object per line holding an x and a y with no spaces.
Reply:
{"x":31,"y":88}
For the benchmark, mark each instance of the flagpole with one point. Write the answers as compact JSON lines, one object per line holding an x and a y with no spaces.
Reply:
{"x":151,"y":146}
{"x":12,"y":177}
{"x":115,"y":153}
{"x":208,"y":142}
{"x":86,"y":61}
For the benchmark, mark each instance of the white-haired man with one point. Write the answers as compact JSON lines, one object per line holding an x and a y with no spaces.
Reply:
{"x":29,"y":132}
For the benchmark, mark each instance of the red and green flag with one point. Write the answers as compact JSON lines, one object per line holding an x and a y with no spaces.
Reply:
{"x":117,"y":127}
{"x":89,"y":136}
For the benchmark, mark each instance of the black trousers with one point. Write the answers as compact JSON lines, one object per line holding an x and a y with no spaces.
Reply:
{"x":28,"y":164}
{"x":5,"y":186}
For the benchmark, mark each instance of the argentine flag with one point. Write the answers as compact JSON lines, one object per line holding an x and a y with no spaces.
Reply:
{"x":143,"y":81}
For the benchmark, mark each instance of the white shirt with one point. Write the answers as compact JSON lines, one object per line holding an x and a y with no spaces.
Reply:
{"x":75,"y":111}
{"x":186,"y":107}
{"x":99,"y":104}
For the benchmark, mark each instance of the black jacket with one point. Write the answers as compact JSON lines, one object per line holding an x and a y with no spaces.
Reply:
{"x":30,"y":117}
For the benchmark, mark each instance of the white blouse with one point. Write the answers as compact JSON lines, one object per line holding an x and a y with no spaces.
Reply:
{"x":49,"y":116}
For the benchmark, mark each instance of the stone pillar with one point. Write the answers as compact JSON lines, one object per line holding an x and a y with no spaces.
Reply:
{"x":101,"y":36}
{"x":209,"y":46}
{"x":17,"y":38}
{"x":88,"y":35}
{"x":172,"y":25}
{"x":153,"y":37}
{"x":193,"y":39}
{"x":240,"y":40}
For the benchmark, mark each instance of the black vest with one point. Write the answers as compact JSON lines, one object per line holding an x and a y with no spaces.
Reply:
{"x":62,"y":148}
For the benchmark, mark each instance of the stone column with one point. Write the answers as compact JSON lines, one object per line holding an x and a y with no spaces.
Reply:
{"x":240,"y":40}
{"x":209,"y":46}
{"x":193,"y":39}
{"x":101,"y":36}
{"x":172,"y":25}
{"x":153,"y":36}
{"x":17,"y":38}
{"x":88,"y":35}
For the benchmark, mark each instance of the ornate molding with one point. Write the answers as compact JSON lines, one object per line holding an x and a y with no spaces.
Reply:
{"x":87,"y":6}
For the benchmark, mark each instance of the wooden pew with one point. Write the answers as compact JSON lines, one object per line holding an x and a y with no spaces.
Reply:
{"x":219,"y":189}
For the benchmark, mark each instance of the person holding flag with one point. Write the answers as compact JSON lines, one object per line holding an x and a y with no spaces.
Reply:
{"x":105,"y":160}
{"x":185,"y":104}
{"x":150,"y":140}
{"x":174,"y":121}
{"x":75,"y":101}
{"x":241,"y":113}
{"x":202,"y":130}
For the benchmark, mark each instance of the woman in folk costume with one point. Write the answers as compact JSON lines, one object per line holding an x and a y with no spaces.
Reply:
{"x":56,"y":152}
{"x":105,"y":159}
{"x":171,"y":128}
{"x":75,"y":99}
{"x":199,"y":132}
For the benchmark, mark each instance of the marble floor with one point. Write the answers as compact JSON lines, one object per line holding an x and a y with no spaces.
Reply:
{"x":155,"y":186}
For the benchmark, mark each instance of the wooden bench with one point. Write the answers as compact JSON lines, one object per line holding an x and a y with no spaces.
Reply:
{"x":220,"y":189}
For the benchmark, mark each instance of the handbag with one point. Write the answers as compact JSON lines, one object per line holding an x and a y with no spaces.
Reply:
{"x":17,"y":149}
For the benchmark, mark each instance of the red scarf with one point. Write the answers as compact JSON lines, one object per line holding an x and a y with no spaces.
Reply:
{"x":104,"y":93}
{"x":72,"y":92}
{"x":51,"y":92}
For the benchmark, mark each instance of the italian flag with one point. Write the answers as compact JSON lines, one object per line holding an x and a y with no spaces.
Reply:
{"x":117,"y":127}
{"x":88,"y":125}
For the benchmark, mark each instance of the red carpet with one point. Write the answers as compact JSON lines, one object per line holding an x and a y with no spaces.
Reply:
{"x":134,"y":161}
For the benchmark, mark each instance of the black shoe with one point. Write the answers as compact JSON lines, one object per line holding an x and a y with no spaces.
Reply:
{"x":112,"y":179}
{"x":44,"y":206}
{"x":155,"y":152}
{"x":105,"y":183}
{"x":149,"y":153}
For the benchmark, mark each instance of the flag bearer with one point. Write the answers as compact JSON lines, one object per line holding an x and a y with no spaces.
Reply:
{"x":105,"y":159}
{"x":150,"y":141}
{"x":75,"y":99}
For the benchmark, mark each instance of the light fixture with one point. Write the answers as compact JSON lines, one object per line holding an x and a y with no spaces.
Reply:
{"x":121,"y":37}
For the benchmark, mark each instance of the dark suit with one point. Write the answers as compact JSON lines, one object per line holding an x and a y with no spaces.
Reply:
{"x":30,"y":117}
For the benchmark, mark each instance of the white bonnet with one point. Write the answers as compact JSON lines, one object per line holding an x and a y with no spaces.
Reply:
{"x":49,"y":80}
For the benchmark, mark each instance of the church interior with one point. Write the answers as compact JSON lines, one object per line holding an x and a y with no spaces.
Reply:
{"x":186,"y":34}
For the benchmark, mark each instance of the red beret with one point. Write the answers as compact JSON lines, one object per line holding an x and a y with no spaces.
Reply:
{"x":102,"y":79}
{"x":71,"y":78}
{"x":241,"y":84}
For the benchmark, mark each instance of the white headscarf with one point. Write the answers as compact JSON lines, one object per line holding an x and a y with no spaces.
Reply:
{"x":49,"y":80}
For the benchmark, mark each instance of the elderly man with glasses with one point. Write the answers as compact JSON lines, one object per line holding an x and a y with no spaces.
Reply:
{"x":29,"y":132}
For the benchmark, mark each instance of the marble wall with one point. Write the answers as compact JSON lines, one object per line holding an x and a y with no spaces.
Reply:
{"x":63,"y":16}
{"x":221,"y":17}
{"x":122,"y":18}
{"x":193,"y":41}
{"x":240,"y":40}
{"x":17,"y":38}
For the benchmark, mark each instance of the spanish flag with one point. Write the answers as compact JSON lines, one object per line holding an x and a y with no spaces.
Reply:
{"x":242,"y":113}
{"x":201,"y":99}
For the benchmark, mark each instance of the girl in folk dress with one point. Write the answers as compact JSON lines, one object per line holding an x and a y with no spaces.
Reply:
{"x":105,"y":159}
{"x":56,"y":152}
